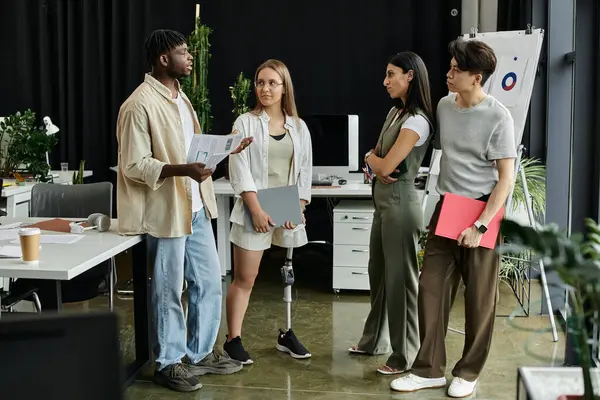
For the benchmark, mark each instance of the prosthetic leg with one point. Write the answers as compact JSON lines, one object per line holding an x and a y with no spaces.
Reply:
{"x":287,"y":341}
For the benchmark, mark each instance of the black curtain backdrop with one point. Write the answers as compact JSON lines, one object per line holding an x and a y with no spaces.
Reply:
{"x":76,"y":61}
{"x":514,"y":14}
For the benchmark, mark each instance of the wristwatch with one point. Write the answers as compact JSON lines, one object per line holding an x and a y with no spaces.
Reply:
{"x":368,"y":154}
{"x":480,"y":227}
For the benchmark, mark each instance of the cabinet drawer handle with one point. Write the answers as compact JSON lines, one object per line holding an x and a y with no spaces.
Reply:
{"x":361,"y":217}
{"x":360,"y":229}
{"x":359,"y":251}
{"x":360,"y":273}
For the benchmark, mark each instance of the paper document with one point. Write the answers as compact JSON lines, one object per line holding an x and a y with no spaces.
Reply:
{"x":10,"y":252}
{"x":8,"y":234}
{"x":58,"y":239}
{"x":212,"y":149}
{"x":12,"y":226}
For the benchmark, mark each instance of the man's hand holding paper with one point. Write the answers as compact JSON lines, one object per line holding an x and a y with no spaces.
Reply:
{"x":198,"y":172}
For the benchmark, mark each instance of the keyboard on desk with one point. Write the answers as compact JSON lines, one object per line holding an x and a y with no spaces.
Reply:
{"x":322,"y":183}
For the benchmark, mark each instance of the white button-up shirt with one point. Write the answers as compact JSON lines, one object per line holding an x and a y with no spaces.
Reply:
{"x":248,"y":170}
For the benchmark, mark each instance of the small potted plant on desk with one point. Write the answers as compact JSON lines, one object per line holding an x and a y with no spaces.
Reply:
{"x":23,"y":147}
{"x":577,"y":261}
{"x":78,"y":174}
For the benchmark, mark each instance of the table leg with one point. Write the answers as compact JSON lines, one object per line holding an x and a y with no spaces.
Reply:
{"x":54,"y":304}
{"x":11,"y":207}
{"x":141,"y":300}
{"x":223,"y":227}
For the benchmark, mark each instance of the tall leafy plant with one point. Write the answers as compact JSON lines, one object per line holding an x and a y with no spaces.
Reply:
{"x":576,"y":259}
{"x":23,"y":146}
{"x":195,"y":86}
{"x":239,"y":95}
{"x":535,"y":177}
{"x":511,"y":270}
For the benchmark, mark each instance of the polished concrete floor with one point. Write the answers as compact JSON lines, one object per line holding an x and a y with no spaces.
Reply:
{"x":328,"y":325}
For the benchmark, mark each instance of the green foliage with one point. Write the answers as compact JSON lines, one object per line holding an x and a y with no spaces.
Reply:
{"x":78,"y":175}
{"x":23,"y":143}
{"x":576,"y":259}
{"x":422,"y":242}
{"x":535,"y":175}
{"x":239,"y":94}
{"x":195,"y":86}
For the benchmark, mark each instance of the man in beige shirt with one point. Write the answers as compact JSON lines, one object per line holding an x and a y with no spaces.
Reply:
{"x":172,"y":202}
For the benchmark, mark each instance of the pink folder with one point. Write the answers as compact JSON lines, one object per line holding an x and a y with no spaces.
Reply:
{"x":458,"y":213}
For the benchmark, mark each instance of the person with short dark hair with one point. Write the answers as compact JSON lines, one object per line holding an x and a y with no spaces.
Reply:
{"x":172,"y":202}
{"x":398,"y":219}
{"x":476,"y":136}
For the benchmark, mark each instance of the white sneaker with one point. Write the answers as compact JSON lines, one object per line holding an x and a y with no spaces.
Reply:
{"x":461,"y":388}
{"x":412,"y":383}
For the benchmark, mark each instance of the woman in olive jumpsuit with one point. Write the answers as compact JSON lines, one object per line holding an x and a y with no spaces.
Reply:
{"x":393,"y":268}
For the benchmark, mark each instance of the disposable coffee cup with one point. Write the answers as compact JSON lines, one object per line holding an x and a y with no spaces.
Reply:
{"x":30,"y":245}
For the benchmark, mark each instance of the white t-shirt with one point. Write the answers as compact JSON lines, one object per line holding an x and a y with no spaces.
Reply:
{"x":419,"y":124}
{"x":187,"y":123}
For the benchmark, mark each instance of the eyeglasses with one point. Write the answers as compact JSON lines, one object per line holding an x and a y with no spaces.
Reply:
{"x":272,"y":84}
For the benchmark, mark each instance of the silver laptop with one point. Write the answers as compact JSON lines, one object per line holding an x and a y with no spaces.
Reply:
{"x":281,"y":203}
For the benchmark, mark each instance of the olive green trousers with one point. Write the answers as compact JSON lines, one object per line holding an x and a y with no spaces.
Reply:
{"x":394,"y":274}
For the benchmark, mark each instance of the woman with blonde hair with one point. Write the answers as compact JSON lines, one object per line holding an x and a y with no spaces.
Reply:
{"x":281,"y":155}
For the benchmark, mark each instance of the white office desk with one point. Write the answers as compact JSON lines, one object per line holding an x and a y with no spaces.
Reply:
{"x":62,"y":262}
{"x":15,"y":199}
{"x":224,"y":192}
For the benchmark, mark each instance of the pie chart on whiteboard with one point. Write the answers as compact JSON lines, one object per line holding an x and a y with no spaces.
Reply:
{"x":508,"y":80}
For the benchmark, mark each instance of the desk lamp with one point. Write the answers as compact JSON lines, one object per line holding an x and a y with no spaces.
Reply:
{"x":51,"y":129}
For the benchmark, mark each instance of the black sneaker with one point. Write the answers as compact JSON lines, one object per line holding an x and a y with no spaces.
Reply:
{"x":235,"y":350}
{"x":287,"y":342}
{"x":215,"y":363}
{"x":177,"y":377}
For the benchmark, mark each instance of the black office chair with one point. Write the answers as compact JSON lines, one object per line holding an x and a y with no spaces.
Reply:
{"x":73,"y":201}
{"x":10,"y":298}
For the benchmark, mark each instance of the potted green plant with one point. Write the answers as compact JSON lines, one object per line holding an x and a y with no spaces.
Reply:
{"x":535,"y":176}
{"x":576,"y":259}
{"x":239,"y":95}
{"x":23,"y":146}
{"x":195,"y":86}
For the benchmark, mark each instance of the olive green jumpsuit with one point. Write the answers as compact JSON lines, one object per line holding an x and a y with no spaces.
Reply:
{"x":393,"y":267}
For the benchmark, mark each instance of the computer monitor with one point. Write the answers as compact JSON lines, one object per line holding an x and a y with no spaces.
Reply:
{"x":60,"y":356}
{"x":334,"y":143}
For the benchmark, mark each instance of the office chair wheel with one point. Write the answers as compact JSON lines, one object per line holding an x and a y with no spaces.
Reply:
{"x":336,"y":291}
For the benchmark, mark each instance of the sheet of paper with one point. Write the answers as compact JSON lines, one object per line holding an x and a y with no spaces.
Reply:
{"x":11,"y":226}
{"x":9,"y":234}
{"x":508,"y":80}
{"x":212,"y":149}
{"x":10,"y":252}
{"x":58,"y":239}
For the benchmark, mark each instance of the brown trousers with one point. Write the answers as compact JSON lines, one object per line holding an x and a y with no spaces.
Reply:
{"x":445,"y":263}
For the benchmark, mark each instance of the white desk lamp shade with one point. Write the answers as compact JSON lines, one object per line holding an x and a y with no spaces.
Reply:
{"x":51,"y":129}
